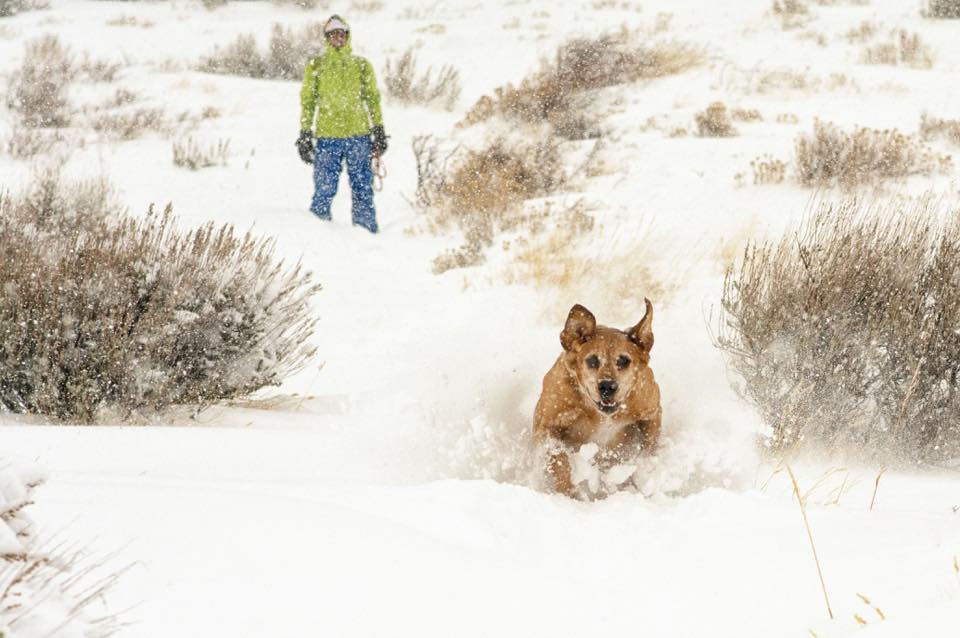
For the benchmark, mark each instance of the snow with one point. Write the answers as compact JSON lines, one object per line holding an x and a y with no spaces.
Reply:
{"x":389,"y":488}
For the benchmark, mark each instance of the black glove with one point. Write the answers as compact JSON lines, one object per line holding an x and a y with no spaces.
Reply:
{"x":305,"y":146}
{"x":379,"y":140}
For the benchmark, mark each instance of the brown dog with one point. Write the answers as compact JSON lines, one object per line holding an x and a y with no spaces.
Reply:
{"x":600,"y":390}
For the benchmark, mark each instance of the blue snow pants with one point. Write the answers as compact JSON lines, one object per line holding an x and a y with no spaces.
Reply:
{"x":327,"y":162}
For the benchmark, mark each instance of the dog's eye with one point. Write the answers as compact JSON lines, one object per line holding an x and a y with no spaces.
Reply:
{"x":593,"y":361}
{"x":623,"y":361}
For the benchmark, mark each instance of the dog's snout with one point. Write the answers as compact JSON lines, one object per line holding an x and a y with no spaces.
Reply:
{"x":607,"y":387}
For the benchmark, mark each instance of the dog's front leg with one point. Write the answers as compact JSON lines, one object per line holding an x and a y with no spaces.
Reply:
{"x":558,"y":470}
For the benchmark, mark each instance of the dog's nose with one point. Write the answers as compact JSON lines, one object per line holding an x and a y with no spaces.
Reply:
{"x":607,"y":387}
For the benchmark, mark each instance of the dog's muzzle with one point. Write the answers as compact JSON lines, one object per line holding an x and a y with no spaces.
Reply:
{"x":608,"y":389}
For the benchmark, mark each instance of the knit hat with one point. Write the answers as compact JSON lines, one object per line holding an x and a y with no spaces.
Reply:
{"x":335,"y":23}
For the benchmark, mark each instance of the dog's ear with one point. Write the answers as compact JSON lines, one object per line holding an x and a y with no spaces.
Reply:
{"x":642,"y":333}
{"x":580,"y":326}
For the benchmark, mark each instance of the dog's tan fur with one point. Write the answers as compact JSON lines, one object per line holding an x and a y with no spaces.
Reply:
{"x":573,"y":411}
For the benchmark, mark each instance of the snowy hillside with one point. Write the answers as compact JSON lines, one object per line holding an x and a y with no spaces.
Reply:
{"x":388,"y":489}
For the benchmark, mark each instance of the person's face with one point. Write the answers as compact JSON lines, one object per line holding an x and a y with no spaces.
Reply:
{"x":337,"y":38}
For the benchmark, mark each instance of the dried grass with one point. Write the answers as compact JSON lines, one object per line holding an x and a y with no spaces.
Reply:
{"x":843,"y":334}
{"x":403,"y":83}
{"x":831,"y":156}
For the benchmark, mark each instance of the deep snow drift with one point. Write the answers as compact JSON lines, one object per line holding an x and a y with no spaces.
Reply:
{"x":387,"y":489}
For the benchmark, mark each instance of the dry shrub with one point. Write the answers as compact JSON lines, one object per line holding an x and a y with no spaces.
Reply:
{"x":188,"y":154}
{"x":940,"y":9}
{"x":480,"y":191}
{"x":25,"y":142}
{"x":792,"y":13}
{"x":844,"y":334}
{"x":46,"y":588}
{"x":130,"y":123}
{"x":98,"y":70}
{"x":38,"y":89}
{"x":746,"y":115}
{"x":831,"y":156}
{"x":715,"y":122}
{"x":366,"y":6}
{"x":906,"y":49}
{"x":121,"y":313}
{"x":558,"y":92}
{"x":287,"y":55}
{"x":931,"y":127}
{"x":10,"y":8}
{"x":768,"y":170}
{"x":864,"y":32}
{"x":402,"y":82}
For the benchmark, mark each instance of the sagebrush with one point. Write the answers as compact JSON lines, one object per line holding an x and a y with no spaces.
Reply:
{"x":38,"y":90}
{"x":833,"y":157}
{"x":402,"y":82}
{"x":843,"y":333}
{"x":106,"y":312}
{"x":285,"y":58}
{"x":480,"y":190}
{"x":949,"y":9}
{"x":557,"y":92}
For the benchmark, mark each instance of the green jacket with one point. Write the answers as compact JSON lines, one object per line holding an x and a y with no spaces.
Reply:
{"x":339,"y":97}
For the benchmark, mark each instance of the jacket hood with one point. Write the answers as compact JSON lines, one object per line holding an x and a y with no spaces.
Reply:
{"x":336,"y":20}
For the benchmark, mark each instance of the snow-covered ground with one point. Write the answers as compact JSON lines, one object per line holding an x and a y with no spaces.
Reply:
{"x":385,"y":490}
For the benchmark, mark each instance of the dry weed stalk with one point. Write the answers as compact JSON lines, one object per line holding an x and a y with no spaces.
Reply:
{"x":813,"y":546}
{"x":876,"y":486}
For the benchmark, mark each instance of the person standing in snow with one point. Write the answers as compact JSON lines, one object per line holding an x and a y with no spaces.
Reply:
{"x":340,"y":119}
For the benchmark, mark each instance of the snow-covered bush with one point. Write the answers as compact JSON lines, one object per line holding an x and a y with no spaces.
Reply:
{"x":286,"y":57}
{"x":38,"y":89}
{"x":129,"y":313}
{"x":44,"y":593}
{"x":844,"y":333}
{"x":402,"y":82}
{"x":830,"y":156}
{"x":558,"y":92}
